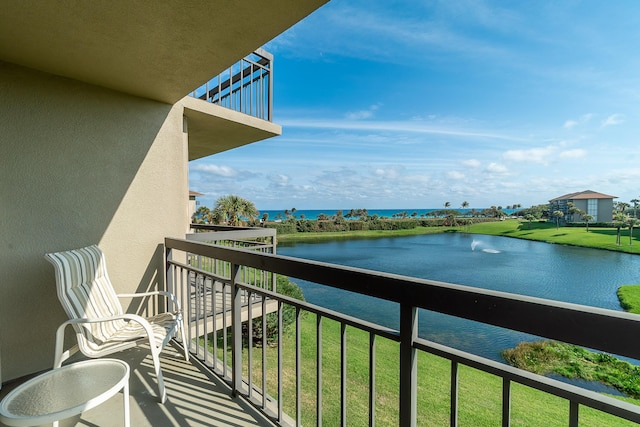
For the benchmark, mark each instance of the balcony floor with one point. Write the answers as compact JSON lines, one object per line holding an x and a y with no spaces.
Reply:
{"x":195,"y":397}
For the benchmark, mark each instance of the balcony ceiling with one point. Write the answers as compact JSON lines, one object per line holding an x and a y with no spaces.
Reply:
{"x":153,"y":49}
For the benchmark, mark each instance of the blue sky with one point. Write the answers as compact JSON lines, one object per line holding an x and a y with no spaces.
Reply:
{"x":410,"y":104}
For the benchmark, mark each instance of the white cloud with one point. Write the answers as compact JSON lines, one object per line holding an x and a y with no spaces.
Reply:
{"x":224,"y":171}
{"x":455,"y":175}
{"x":472,"y":163}
{"x":536,"y":155}
{"x":614,"y":119}
{"x":362,"y":114}
{"x":573,"y":154}
{"x":571,"y":123}
{"x":279,"y":180}
{"x":497,"y":169}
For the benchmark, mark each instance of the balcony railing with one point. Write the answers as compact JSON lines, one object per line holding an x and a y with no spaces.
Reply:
{"x":237,"y":291}
{"x":246,"y":86}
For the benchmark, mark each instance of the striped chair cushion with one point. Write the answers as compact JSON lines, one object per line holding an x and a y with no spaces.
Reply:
{"x":85,"y":291}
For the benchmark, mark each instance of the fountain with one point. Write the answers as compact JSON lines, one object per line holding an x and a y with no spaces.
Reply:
{"x":475,"y":244}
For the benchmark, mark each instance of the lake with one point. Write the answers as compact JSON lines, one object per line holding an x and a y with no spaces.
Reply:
{"x":564,"y":273}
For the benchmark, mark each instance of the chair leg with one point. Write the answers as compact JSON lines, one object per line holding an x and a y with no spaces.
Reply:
{"x":162,"y":392}
{"x":185,"y":344}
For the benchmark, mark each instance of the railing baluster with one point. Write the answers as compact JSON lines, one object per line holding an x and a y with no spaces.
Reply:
{"x":343,"y":374}
{"x":408,"y":365}
{"x":224,"y":331}
{"x":280,"y":378}
{"x":264,"y":352}
{"x":250,"y":344}
{"x":573,"y":413}
{"x":506,"y":402}
{"x":214,"y":315}
{"x":372,"y":379}
{"x":236,"y":334}
{"x":318,"y":369}
{"x":196,"y":289}
{"x":205,"y":317}
{"x":453,"y":395}
{"x":298,"y":371}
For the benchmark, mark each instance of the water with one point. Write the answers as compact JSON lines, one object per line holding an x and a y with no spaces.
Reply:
{"x":564,"y":273}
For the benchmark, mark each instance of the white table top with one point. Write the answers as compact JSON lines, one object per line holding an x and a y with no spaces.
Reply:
{"x":64,"y":392}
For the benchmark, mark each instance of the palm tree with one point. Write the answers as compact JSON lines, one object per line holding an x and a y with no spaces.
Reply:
{"x":558,"y":215}
{"x":447,"y":204}
{"x":202,"y":216}
{"x":465,"y":205}
{"x":631,"y":222}
{"x":231,"y":209}
{"x":618,"y":222}
{"x":530,"y":218}
{"x":587,"y":218}
{"x":636,"y":203}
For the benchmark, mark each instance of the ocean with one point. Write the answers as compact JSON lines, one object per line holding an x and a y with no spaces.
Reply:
{"x":387,"y":213}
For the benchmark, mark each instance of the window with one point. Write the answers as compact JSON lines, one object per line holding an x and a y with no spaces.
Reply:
{"x":592,"y":208}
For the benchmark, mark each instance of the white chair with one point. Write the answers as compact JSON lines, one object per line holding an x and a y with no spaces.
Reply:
{"x":101,"y":325}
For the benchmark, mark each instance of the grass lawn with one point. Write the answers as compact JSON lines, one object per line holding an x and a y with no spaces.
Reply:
{"x":479,"y":393}
{"x":599,"y":238}
{"x":629,"y":296}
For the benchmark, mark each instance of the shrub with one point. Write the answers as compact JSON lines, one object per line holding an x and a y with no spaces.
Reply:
{"x":286,"y":287}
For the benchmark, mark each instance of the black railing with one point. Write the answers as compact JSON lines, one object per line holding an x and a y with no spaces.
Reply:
{"x":246,"y":86}
{"x":595,"y":328}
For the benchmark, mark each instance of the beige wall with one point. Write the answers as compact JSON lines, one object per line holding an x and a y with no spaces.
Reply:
{"x":79,"y":165}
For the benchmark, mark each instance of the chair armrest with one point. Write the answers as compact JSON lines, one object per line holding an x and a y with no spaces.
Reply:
{"x":61,"y":356}
{"x":169,"y":295}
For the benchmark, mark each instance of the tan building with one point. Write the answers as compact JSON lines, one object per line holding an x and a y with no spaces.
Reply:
{"x":598,"y":205}
{"x":193,"y":203}
{"x":96,"y":134}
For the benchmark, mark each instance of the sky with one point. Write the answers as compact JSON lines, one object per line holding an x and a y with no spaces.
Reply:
{"x":411,"y":104}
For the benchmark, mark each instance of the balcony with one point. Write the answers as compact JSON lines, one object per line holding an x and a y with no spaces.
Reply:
{"x":231,"y":381}
{"x":246,"y":86}
{"x":233,"y":108}
{"x":241,"y":277}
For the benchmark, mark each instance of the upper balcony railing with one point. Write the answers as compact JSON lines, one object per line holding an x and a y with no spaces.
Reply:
{"x":246,"y":86}
{"x":223,"y":339}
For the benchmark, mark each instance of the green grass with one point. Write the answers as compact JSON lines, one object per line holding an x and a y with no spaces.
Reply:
{"x":599,"y":238}
{"x":629,"y":296}
{"x":479,"y":393}
{"x":572,"y":361}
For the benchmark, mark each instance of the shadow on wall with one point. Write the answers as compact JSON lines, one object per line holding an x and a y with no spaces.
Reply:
{"x":70,"y":152}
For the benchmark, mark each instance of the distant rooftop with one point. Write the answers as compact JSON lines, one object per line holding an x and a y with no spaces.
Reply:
{"x":586,"y":194}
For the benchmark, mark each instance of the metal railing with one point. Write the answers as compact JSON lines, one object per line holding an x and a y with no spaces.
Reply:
{"x":246,"y":86}
{"x":241,"y":297}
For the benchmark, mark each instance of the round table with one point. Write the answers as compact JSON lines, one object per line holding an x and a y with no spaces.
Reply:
{"x":65,"y":392}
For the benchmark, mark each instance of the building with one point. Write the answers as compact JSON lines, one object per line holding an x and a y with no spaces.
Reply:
{"x":96,"y":135}
{"x":193,"y":203}
{"x":598,"y":205}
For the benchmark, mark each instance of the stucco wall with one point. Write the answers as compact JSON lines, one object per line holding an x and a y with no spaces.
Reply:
{"x":605,"y":210}
{"x":79,"y":165}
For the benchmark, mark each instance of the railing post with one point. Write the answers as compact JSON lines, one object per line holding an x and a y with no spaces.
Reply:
{"x":408,"y":365}
{"x":236,"y":334}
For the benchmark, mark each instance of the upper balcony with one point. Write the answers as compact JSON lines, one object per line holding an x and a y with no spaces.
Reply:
{"x":233,"y":108}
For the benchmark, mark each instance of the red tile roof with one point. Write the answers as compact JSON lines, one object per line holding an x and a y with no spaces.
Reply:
{"x":587,"y":194}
